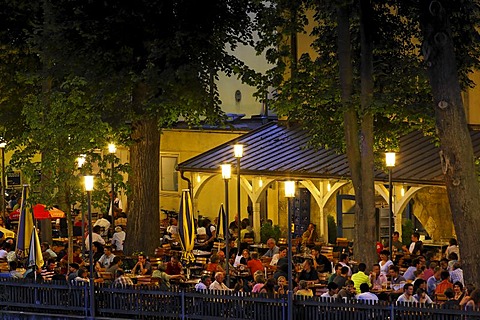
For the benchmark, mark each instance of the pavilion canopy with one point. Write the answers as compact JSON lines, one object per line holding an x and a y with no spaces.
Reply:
{"x":276,"y":149}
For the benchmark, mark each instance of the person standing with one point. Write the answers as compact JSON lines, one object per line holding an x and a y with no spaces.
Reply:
{"x":118,"y":238}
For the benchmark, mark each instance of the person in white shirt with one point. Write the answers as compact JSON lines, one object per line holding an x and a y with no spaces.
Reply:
{"x":117,"y":205}
{"x":281,"y":254}
{"x":118,"y":238}
{"x":95,"y":237}
{"x":103,"y":223}
{"x":332,"y":291}
{"x":407,"y":295}
{"x":365,"y":293}
{"x":105,"y":260}
{"x":218,"y":283}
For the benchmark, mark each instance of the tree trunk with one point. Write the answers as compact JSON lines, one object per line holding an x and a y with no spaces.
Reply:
{"x":359,"y":144}
{"x":366,"y":222}
{"x":143,"y":227}
{"x":456,"y":151}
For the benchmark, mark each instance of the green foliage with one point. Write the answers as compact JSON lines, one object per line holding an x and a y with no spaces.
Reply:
{"x":310,"y":92}
{"x":407,"y":230}
{"x":268,"y":231}
{"x":332,"y":229}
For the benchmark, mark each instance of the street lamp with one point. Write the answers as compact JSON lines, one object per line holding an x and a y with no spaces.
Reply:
{"x":112,"y":149}
{"x":80,"y":162}
{"x":290,"y":194}
{"x":226,"y":175}
{"x":89,"y":188}
{"x":238,"y":153}
{"x":3,"y":144}
{"x":390,"y":163}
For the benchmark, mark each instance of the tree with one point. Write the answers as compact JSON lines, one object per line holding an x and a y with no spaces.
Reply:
{"x":347,"y":86}
{"x":445,"y":47}
{"x":147,"y":63}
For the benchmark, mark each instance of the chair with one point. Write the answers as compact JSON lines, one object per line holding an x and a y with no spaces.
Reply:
{"x":342,"y":242}
{"x":327,"y":251}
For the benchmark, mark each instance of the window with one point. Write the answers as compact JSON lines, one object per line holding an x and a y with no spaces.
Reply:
{"x":169,"y":173}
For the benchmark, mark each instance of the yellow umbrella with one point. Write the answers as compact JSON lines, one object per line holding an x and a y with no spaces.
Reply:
{"x":6,"y":233}
{"x":186,"y":226}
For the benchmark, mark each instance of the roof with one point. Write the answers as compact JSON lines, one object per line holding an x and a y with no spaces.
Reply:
{"x":278,"y":150}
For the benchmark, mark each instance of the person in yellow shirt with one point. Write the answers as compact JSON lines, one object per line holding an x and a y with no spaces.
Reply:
{"x":360,"y":277}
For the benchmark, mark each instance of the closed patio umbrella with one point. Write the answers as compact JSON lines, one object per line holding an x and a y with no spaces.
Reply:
{"x":222,"y":227}
{"x":35,"y":257}
{"x":186,"y":227}
{"x":25,"y":225}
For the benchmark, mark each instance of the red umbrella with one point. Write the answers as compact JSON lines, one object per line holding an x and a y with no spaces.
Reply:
{"x":40,"y":212}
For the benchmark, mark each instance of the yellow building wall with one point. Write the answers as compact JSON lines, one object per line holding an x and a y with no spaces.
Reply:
{"x":471,"y":101}
{"x":186,"y":144}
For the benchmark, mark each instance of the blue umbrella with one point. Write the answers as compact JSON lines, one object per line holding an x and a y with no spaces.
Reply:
{"x":186,"y":226}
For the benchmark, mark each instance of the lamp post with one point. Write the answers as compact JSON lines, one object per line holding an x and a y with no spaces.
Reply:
{"x":390,"y":163}
{"x":226,"y":175}
{"x":290,"y":194}
{"x":238,"y":153}
{"x":112,"y":149}
{"x":80,"y":162}
{"x":89,"y":188}
{"x":3,"y":144}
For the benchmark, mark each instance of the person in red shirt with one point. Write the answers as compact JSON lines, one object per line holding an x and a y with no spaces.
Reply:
{"x":442,"y":286}
{"x":254,"y":264}
{"x":174,"y":267}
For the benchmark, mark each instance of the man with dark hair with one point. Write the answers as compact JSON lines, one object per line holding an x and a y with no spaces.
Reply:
{"x":344,"y":262}
{"x":348,"y":292}
{"x":205,"y":282}
{"x":332,"y":288}
{"x":342,"y":278}
{"x":72,"y":272}
{"x":143,"y":267}
{"x":365,"y":293}
{"x":395,"y":278}
{"x":95,"y":237}
{"x":407,"y":295}
{"x":338,"y":271}
{"x":416,"y":247}
{"x":121,"y":280}
{"x":321,"y":262}
{"x":49,"y":270}
{"x":361,"y":277}
{"x":416,"y":265}
{"x":105,"y":260}
{"x":396,"y":243}
{"x":445,"y":283}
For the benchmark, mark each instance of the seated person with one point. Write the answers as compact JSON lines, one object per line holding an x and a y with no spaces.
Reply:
{"x":142,"y":267}
{"x":255,"y":264}
{"x":164,"y":277}
{"x":214,"y":266}
{"x":308,"y":273}
{"x":121,"y":280}
{"x":310,"y":236}
{"x":303,"y":289}
{"x":320,"y":262}
{"x":365,"y":293}
{"x":174,"y":266}
{"x":281,"y":254}
{"x":332,"y":288}
{"x":105,"y":260}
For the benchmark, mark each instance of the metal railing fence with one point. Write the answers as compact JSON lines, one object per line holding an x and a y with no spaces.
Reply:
{"x":146,"y":302}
